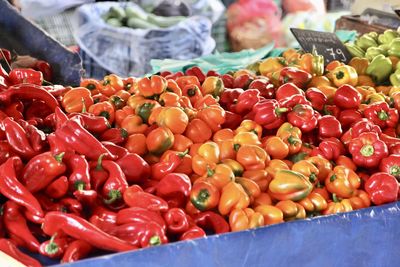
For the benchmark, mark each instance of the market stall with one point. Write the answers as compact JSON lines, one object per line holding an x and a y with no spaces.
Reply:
{"x":283,"y":156}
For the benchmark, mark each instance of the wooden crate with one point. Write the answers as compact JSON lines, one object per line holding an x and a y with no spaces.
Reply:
{"x":355,"y":23}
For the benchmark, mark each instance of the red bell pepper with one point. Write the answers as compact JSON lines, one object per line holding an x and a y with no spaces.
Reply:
{"x":348,"y":117}
{"x":389,"y":140}
{"x":359,"y":127}
{"x":382,"y":115}
{"x":76,"y":250}
{"x":9,"y":248}
{"x":31,"y":76}
{"x":11,"y":188}
{"x":79,"y":177}
{"x":330,"y":148}
{"x":134,"y":196}
{"x":212,"y":73}
{"x":329,"y":126}
{"x":263,"y":85}
{"x":242,"y":81}
{"x":73,"y":134}
{"x":347,"y":97}
{"x":72,"y":205}
{"x":391,"y":165}
{"x":103,"y":218}
{"x":246,"y":101}
{"x":16,"y":225}
{"x":229,"y":98}
{"x":303,"y":117}
{"x":92,"y":123}
{"x":41,"y":170}
{"x":232,"y":120}
{"x":331,"y":110}
{"x":291,"y":101}
{"x":55,"y":247}
{"x":116,"y":184}
{"x":211,"y":221}
{"x":115,"y":135}
{"x":175,"y":189}
{"x":196,"y":71}
{"x":294,"y":75}
{"x":368,"y":150}
{"x":58,"y":188}
{"x":141,"y":234}
{"x":177,"y":222}
{"x":382,"y":188}
{"x":167,"y":165}
{"x":116,"y":150}
{"x":79,"y":228}
{"x":135,"y":168}
{"x":193,"y":233}
{"x":287,"y":90}
{"x":142,"y":215}
{"x":269,"y":114}
{"x":228,"y":80}
{"x":317,"y":98}
{"x":87,"y":198}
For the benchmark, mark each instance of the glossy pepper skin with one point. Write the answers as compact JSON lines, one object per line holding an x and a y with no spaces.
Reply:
{"x":79,"y":178}
{"x":329,"y":126}
{"x":76,"y":250}
{"x":9,"y":248}
{"x":54,"y":247}
{"x":316,"y":97}
{"x":246,"y":101}
{"x":232,"y":196}
{"x":17,"y":227}
{"x":338,"y":206}
{"x":58,"y":188}
{"x":136,"y":214}
{"x":193,"y":233}
{"x":344,"y":75}
{"x":289,"y":185}
{"x":391,"y":165}
{"x":382,"y":115}
{"x":242,"y":219}
{"x":31,"y":76}
{"x":211,"y":221}
{"x":79,"y":228}
{"x":294,"y":75}
{"x":175,"y":189}
{"x":14,"y":190}
{"x":135,"y":168}
{"x":229,"y":98}
{"x":116,"y":184}
{"x":269,"y":114}
{"x":368,"y":150}
{"x":134,"y":196}
{"x":380,"y":68}
{"x":176,"y":220}
{"x":347,"y":97}
{"x":166,"y":166}
{"x":304,"y":117}
{"x":204,"y":195}
{"x":41,"y":170}
{"x":382,"y":188}
{"x":342,"y":181}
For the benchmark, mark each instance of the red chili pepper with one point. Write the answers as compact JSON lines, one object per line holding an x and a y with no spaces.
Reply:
{"x":11,"y":188}
{"x":116,"y":184}
{"x":41,"y":170}
{"x":141,"y":234}
{"x":329,"y":126}
{"x":36,"y":137}
{"x":232,"y":120}
{"x":196,"y":71}
{"x":28,"y":92}
{"x":5,"y":151}
{"x":31,"y":76}
{"x":331,"y":110}
{"x":79,"y":177}
{"x":317,"y":98}
{"x":87,"y":198}
{"x":76,"y":250}
{"x":57,"y":146}
{"x":348,"y":117}
{"x":11,"y":250}
{"x":15,"y":109}
{"x":291,"y":101}
{"x":79,"y":228}
{"x":58,"y":188}
{"x":229,"y":97}
{"x":303,"y":117}
{"x":135,"y":168}
{"x":116,"y":150}
{"x":37,"y":109}
{"x":73,"y":134}
{"x":382,"y":188}
{"x":382,"y":115}
{"x":177,"y":222}
{"x":72,"y":205}
{"x":45,"y":68}
{"x":211,"y":221}
{"x":115,"y":135}
{"x":242,"y":81}
{"x":269,"y":114}
{"x":391,"y":165}
{"x":193,"y":233}
{"x":103,"y":218}
{"x":16,"y":224}
{"x":228,"y":80}
{"x":246,"y":101}
{"x":136,"y":214}
{"x":167,"y":165}
{"x":347,"y":97}
{"x":17,"y":138}
{"x":135,"y":197}
{"x":368,"y":150}
{"x":175,"y":189}
{"x":330,"y":148}
{"x":263,"y":85}
{"x":98,"y":176}
{"x":57,"y":90}
{"x":92,"y":123}
{"x":55,"y":247}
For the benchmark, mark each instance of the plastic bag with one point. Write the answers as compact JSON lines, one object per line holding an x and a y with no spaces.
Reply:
{"x":315,"y":6}
{"x":253,"y":24}
{"x":127,"y":52}
{"x":37,"y":9}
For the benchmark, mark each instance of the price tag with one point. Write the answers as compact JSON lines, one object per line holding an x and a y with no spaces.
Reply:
{"x":326,"y":44}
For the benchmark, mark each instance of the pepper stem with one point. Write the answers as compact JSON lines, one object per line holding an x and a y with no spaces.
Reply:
{"x":113,"y":195}
{"x":332,"y":178}
{"x":79,"y":185}
{"x":367,"y":150}
{"x":51,"y":247}
{"x":203,"y":195}
{"x":335,"y":198}
{"x":183,"y":154}
{"x":383,"y":116}
{"x":59,"y":157}
{"x":394,"y":170}
{"x":210,"y":172}
{"x":99,"y":165}
{"x":293,"y":140}
{"x":312,"y":177}
{"x":339,"y":75}
{"x":83,"y":106}
{"x":155,"y":240}
{"x":279,"y":111}
{"x":236,"y":147}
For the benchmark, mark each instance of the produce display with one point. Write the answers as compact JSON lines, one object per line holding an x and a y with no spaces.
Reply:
{"x":128,"y":163}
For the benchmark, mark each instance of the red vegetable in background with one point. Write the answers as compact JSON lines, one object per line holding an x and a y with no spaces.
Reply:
{"x":382,"y":188}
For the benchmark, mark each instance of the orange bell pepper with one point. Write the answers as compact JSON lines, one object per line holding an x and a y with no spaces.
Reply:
{"x":342,"y":181}
{"x":276,"y":147}
{"x":220,"y":176}
{"x":213,"y":115}
{"x":173,"y":118}
{"x":291,"y":210}
{"x":133,"y":124}
{"x":135,"y":100}
{"x":92,"y":85}
{"x":338,"y":206}
{"x":242,"y":219}
{"x":181,"y":143}
{"x":204,"y":195}
{"x":328,"y":91}
{"x":317,"y":81}
{"x":251,"y":187}
{"x":308,"y":169}
{"x":272,"y":64}
{"x":192,"y":92}
{"x":121,"y":114}
{"x":375,"y":98}
{"x":173,"y":87}
{"x":136,"y":143}
{"x":271,"y":214}
{"x":262,"y":199}
{"x":153,"y":86}
{"x":233,"y":196}
{"x":359,"y":64}
{"x":274,"y":166}
{"x":212,"y":85}
{"x":260,"y":177}
{"x":365,"y":91}
{"x":159,"y":140}
{"x":111,"y":84}
{"x":344,"y":75}
{"x":130,"y":85}
{"x":360,"y":200}
{"x":198,"y":131}
{"x":324,"y":166}
{"x":250,"y":126}
{"x":347,"y":162}
{"x":77,"y":100}
{"x":289,"y":185}
{"x":183,"y":81}
{"x":207,"y":157}
{"x":291,"y":55}
{"x":169,"y":99}
{"x":252,"y":157}
{"x":245,"y":138}
{"x":227,"y":149}
{"x":383,"y":89}
{"x":104,"y":109}
{"x":205,"y":101}
{"x":235,"y":166}
{"x":365,"y":80}
{"x":223,"y":134}
{"x":333,"y":65}
{"x":314,"y":202}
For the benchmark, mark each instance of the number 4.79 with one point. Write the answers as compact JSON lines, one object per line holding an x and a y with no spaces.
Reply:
{"x":338,"y":52}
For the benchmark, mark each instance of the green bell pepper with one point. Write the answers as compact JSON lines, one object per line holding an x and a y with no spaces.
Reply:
{"x":354,"y":50}
{"x":380,"y":68}
{"x":373,"y":52}
{"x":365,"y":42}
{"x":373,"y":35}
{"x":395,"y":78}
{"x":394,"y":49}
{"x":387,"y":36}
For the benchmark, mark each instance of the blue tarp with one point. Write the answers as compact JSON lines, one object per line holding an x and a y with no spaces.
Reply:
{"x":367,"y":237}
{"x":20,"y":35}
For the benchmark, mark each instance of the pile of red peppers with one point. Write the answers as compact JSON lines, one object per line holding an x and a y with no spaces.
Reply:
{"x":122,"y":164}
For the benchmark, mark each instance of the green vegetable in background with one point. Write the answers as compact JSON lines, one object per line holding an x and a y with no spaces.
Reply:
{"x":365,"y":42}
{"x":373,"y":52}
{"x":354,"y":50}
{"x":380,"y":68}
{"x":387,"y":36}
{"x":394,"y":49}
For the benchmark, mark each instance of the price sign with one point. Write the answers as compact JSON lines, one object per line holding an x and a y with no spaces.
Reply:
{"x":326,"y":44}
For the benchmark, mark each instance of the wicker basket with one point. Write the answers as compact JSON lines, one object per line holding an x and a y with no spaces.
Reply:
{"x":355,"y":23}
